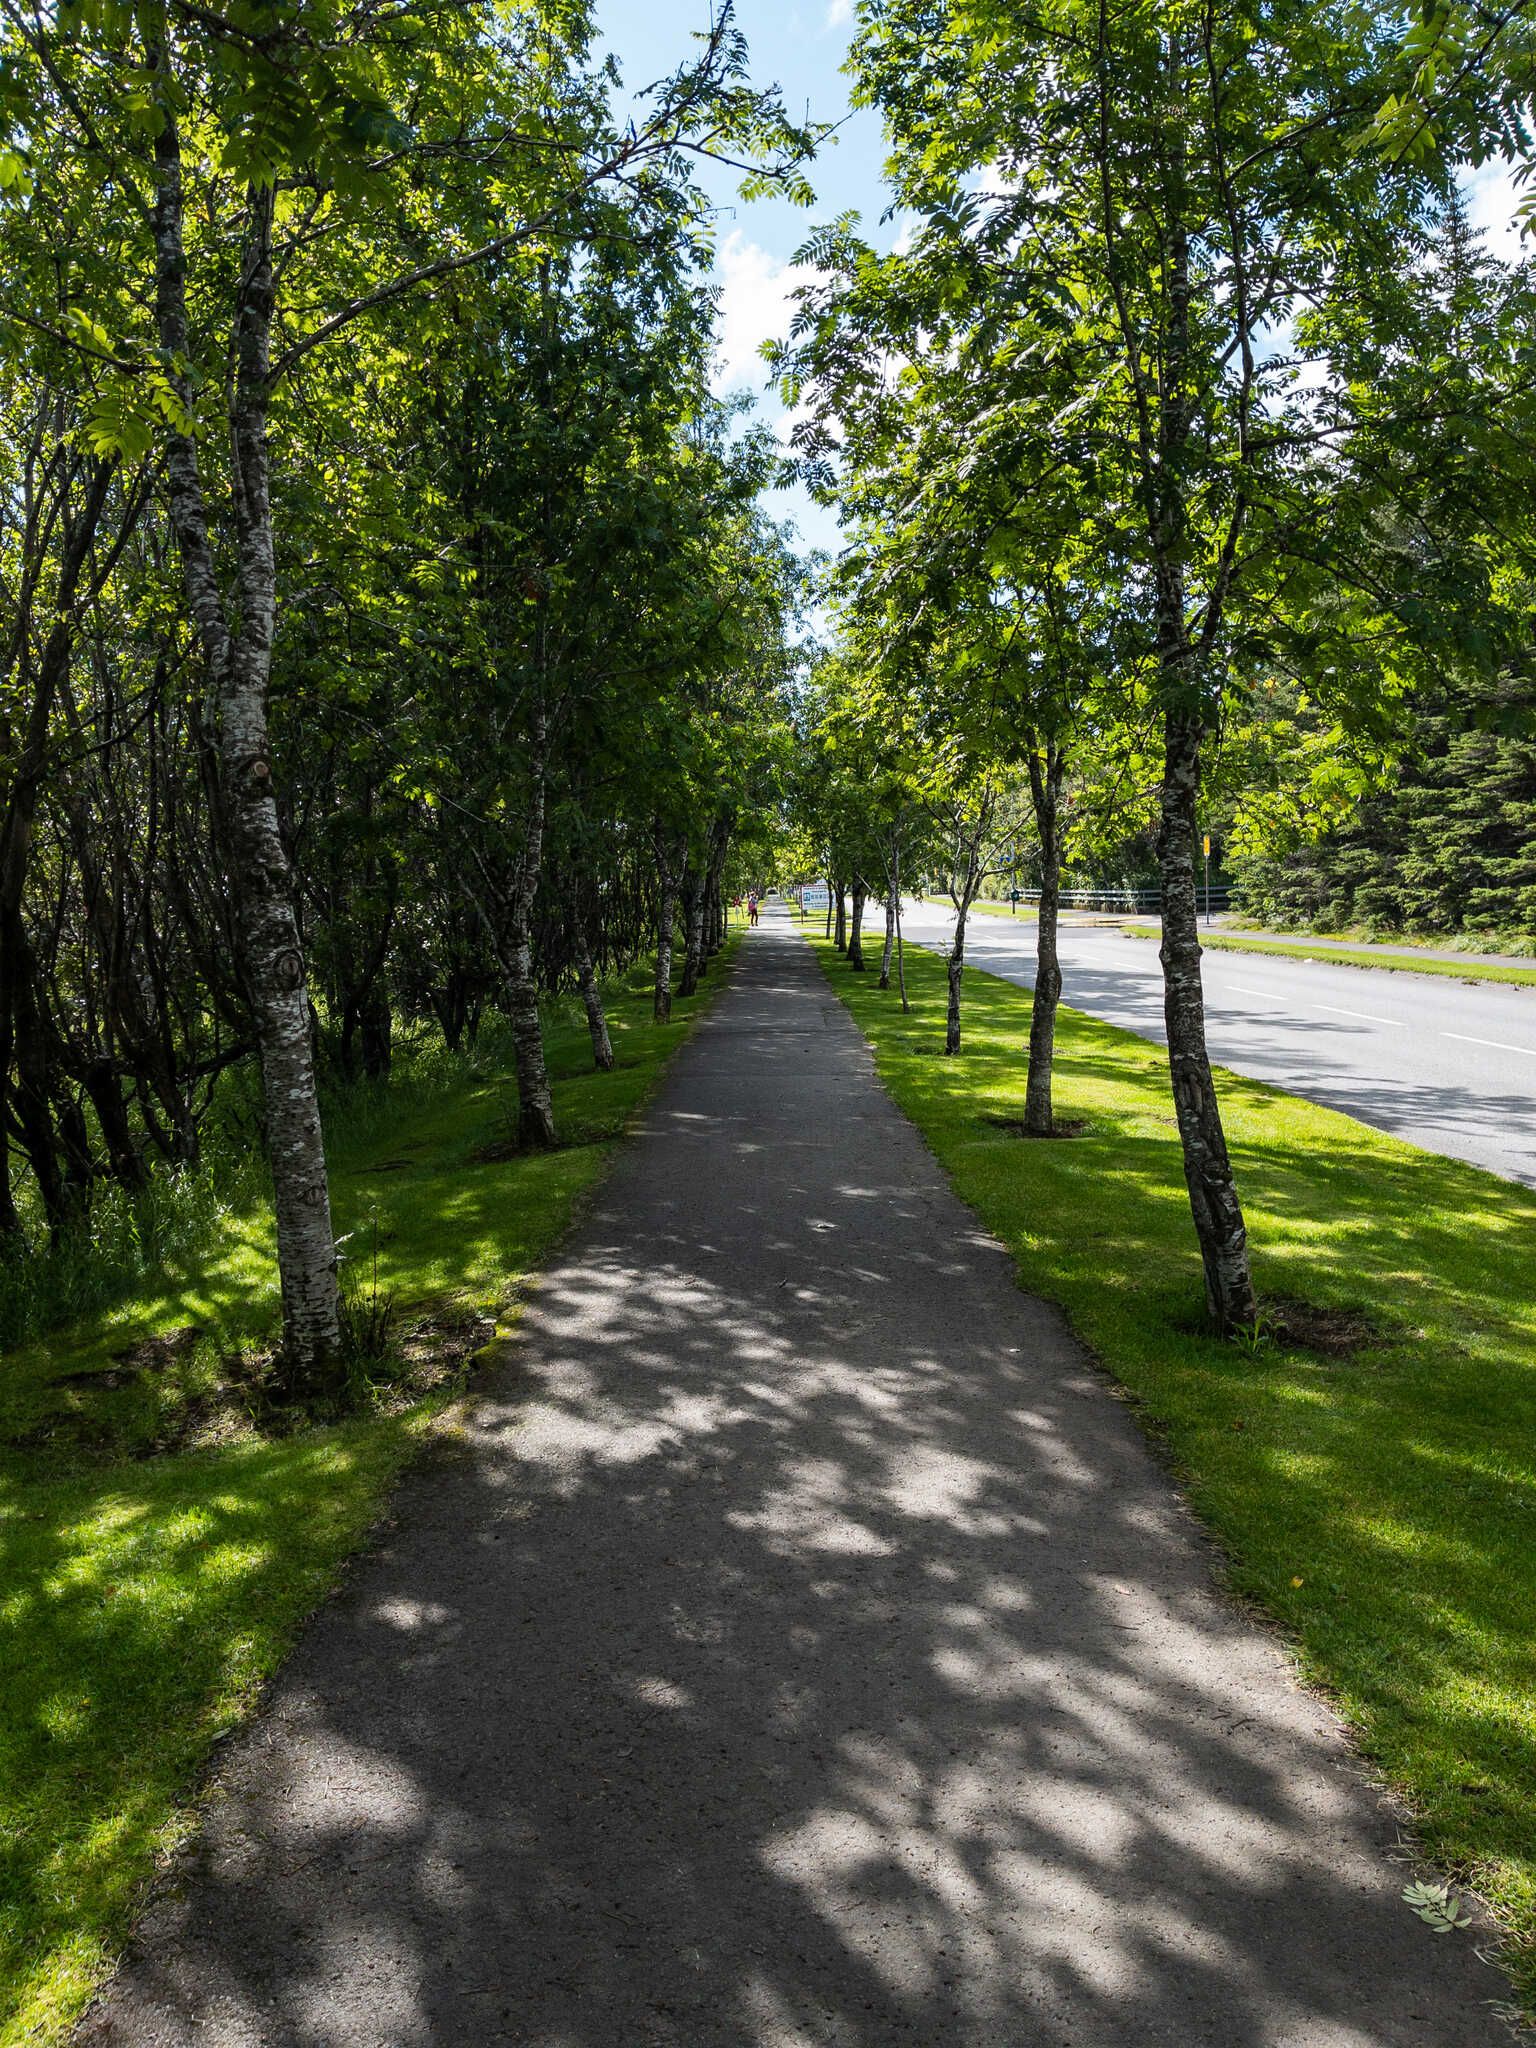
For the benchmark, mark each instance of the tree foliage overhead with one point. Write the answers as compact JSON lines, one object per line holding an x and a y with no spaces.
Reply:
{"x":392,"y":630}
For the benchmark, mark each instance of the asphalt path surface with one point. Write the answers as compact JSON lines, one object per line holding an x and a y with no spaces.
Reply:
{"x":1446,"y":1064}
{"x":801,"y":1649}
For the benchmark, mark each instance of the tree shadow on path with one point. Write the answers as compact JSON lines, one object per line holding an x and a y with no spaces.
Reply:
{"x":801,"y":1648}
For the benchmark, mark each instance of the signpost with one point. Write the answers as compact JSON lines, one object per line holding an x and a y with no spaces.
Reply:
{"x":1207,"y":843}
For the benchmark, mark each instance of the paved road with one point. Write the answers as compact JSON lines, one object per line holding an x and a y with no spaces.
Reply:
{"x":1444,"y":1064}
{"x":803,"y":1650}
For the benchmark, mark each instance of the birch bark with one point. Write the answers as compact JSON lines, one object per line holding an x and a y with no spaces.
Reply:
{"x":591,"y":993}
{"x":856,"y":926}
{"x":1045,"y":788}
{"x":237,"y":663}
{"x":693,"y":929}
{"x":668,"y":863}
{"x":1213,"y":1198}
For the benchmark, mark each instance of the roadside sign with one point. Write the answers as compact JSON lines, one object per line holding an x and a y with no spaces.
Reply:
{"x":1207,"y":845}
{"x":815,"y":896}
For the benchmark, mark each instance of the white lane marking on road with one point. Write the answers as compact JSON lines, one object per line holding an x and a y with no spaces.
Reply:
{"x":1286,"y":1002}
{"x":1364,"y":1016}
{"x":1498,"y":1044}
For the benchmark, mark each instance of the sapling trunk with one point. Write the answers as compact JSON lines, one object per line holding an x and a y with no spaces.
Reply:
{"x":842,"y":916}
{"x":667,"y":865}
{"x":693,"y":929}
{"x":535,"y":1102}
{"x":955,"y":969}
{"x":856,"y":927}
{"x":893,"y":916}
{"x":661,"y":1002}
{"x":591,"y":994}
{"x":1045,"y":787}
{"x":1213,"y":1198}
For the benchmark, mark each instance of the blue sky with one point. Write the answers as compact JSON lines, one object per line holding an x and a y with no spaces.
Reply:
{"x":801,"y":45}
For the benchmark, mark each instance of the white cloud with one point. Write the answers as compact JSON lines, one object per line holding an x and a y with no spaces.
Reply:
{"x":755,"y":306}
{"x":1492,"y":199}
{"x":839,"y":14}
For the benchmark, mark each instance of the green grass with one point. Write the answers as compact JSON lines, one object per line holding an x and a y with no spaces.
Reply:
{"x":1521,"y":944}
{"x":1467,"y":969}
{"x":1381,"y":1507}
{"x":146,"y":1595}
{"x":875,"y":925}
{"x":989,"y":908}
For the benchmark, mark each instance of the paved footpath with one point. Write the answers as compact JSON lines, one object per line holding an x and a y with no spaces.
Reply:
{"x":803,"y":1648}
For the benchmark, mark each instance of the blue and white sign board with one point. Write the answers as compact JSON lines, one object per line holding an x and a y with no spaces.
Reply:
{"x":815,"y":896}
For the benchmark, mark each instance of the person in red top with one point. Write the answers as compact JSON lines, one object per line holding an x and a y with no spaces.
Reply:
{"x":752,"y":908}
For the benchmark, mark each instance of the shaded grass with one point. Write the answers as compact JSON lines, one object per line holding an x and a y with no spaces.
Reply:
{"x":1382,"y":1508}
{"x":1467,"y":969}
{"x":145,"y":1598}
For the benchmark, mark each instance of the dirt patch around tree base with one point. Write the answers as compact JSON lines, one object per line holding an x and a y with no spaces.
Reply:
{"x":1062,"y":1127}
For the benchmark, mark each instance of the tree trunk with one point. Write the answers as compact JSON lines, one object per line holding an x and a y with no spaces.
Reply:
{"x":693,"y":930}
{"x":893,"y":921}
{"x":661,"y":1002}
{"x":1213,"y":1200}
{"x":856,"y":927}
{"x":377,"y":1030}
{"x":842,"y":916}
{"x":719,"y":845}
{"x":1208,"y":1173}
{"x":21,"y":1034}
{"x":106,"y":1093}
{"x":10,"y":1216}
{"x":34,"y":1078}
{"x":238,"y":668}
{"x":535,"y":1104}
{"x":591,"y":994}
{"x":956,"y":968}
{"x":974,"y":836}
{"x":667,"y":863}
{"x":1045,"y":787}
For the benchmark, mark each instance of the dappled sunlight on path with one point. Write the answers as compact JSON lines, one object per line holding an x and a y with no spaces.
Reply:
{"x":801,"y":1647}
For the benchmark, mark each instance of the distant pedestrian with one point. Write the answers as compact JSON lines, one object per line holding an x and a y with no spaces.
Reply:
{"x":752,"y":909}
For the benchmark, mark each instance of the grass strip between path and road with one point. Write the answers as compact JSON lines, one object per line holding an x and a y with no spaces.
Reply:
{"x":1467,"y":969}
{"x":146,"y":1593}
{"x":1025,"y":913}
{"x":1381,"y":1507}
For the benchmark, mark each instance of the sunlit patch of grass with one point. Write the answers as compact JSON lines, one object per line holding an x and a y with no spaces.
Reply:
{"x":145,"y":1598}
{"x":1382,"y":1506}
{"x":990,"y":907}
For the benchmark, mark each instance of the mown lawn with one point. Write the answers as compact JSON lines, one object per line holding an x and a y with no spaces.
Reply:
{"x":1025,"y":914}
{"x":1381,"y":1506}
{"x":1468,"y":968}
{"x":159,"y":1547}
